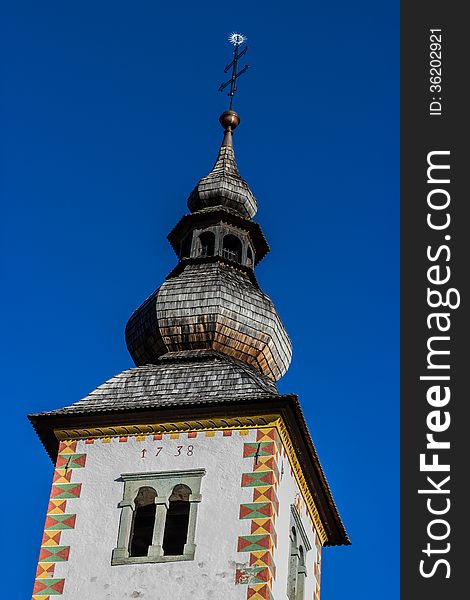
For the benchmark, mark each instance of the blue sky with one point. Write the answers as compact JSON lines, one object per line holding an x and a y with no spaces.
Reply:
{"x":109,"y":117}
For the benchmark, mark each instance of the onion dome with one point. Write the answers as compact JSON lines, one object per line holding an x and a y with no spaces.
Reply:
{"x":211,"y":301}
{"x":211,"y":306}
{"x":224,"y":186}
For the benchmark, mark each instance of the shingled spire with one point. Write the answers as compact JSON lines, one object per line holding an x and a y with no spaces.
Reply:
{"x":211,"y":300}
{"x":224,"y":186}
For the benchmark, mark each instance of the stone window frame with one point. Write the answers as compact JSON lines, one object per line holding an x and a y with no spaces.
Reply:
{"x":163,"y":482}
{"x":294,"y":559}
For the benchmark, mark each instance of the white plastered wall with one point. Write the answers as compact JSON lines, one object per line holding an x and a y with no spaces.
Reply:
{"x":89,"y":574}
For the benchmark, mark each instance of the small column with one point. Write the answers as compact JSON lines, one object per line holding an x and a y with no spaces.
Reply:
{"x":292,"y":576}
{"x":219,"y":235}
{"x":195,"y":243}
{"x":243,"y":258}
{"x":190,"y":546}
{"x":302,"y":574}
{"x":125,"y":526}
{"x":156,"y":549}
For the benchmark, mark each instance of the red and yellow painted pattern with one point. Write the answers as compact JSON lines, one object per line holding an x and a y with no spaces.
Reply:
{"x":262,"y":512}
{"x":58,"y":520}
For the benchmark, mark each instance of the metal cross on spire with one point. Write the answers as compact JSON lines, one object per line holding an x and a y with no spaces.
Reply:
{"x":237,"y":39}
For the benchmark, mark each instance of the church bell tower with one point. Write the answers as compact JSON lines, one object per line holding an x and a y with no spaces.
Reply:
{"x":190,"y":475}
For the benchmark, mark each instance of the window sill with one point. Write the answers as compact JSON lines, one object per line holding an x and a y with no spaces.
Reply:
{"x":139,"y":560}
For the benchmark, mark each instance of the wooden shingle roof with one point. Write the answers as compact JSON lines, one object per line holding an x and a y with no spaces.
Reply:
{"x":179,"y":378}
{"x":224,"y":186}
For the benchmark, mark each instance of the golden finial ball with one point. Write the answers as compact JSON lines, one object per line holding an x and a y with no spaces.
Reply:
{"x":229,"y":119}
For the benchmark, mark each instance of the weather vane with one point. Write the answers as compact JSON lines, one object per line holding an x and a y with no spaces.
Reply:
{"x":237,"y":39}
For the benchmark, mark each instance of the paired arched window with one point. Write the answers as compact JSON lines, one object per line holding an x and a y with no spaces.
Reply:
{"x":207,"y":241}
{"x":299,"y":545}
{"x":232,"y":248}
{"x":143,"y":522}
{"x":158,"y":517}
{"x":218,"y":241}
{"x":176,"y":522}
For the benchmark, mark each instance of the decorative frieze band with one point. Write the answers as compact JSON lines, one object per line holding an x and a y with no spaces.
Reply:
{"x":159,"y":428}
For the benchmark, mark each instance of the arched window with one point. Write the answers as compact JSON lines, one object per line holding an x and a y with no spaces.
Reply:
{"x":207,"y":240}
{"x":158,"y":515}
{"x":232,"y":248}
{"x":177,"y":520}
{"x":143,"y":522}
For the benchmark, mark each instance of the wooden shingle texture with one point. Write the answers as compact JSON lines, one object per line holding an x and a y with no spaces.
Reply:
{"x":180,"y":379}
{"x":211,"y":306}
{"x":223,"y":186}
